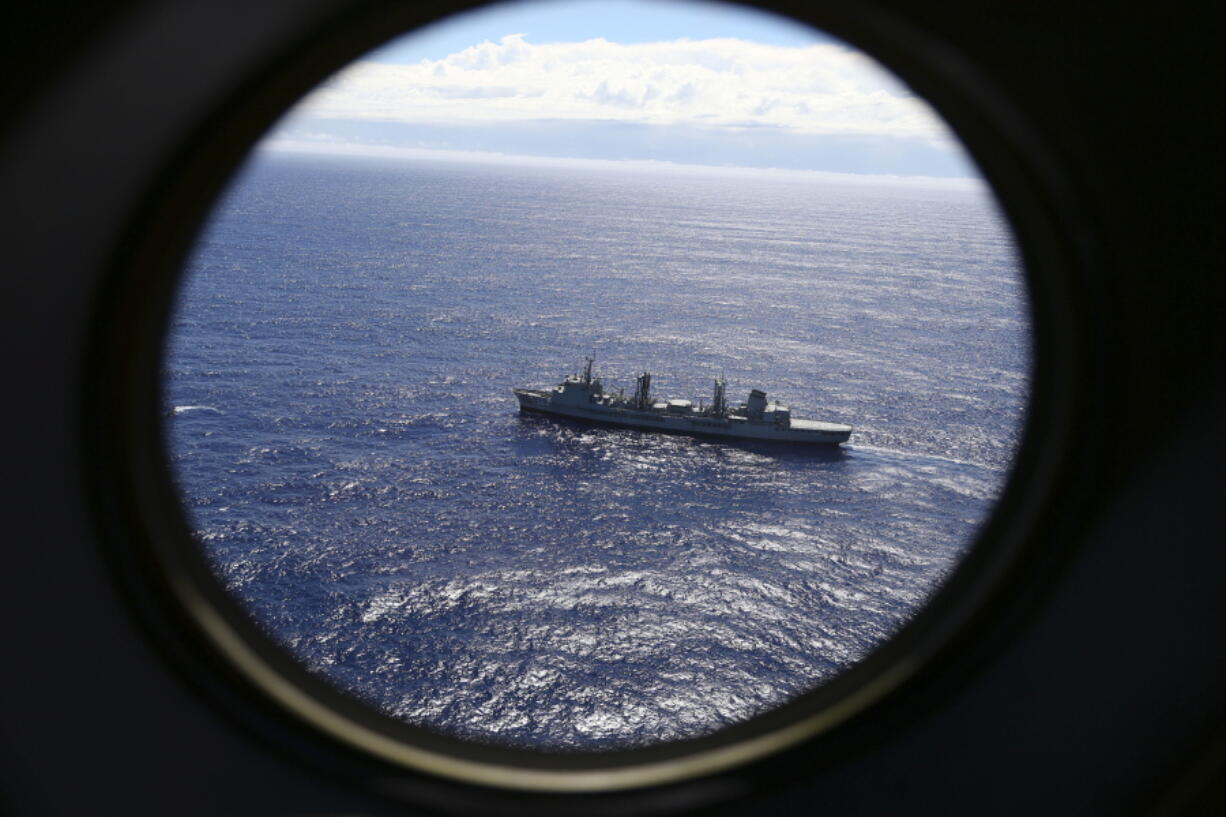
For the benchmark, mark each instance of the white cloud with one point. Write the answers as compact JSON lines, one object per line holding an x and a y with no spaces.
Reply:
{"x":818,"y":89}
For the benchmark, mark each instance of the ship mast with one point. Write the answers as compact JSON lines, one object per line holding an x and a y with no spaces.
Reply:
{"x":587,"y":371}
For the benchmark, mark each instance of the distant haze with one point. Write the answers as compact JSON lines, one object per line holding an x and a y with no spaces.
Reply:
{"x":789,"y":98}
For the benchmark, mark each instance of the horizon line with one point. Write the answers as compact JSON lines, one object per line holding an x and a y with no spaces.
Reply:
{"x":353,"y":149}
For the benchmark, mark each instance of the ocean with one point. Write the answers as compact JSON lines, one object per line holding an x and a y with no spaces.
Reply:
{"x":337,"y":383}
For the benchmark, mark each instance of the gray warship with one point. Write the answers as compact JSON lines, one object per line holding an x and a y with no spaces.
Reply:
{"x":582,"y":397}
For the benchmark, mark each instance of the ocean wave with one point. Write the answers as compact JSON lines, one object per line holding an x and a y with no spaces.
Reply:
{"x":177,"y":410}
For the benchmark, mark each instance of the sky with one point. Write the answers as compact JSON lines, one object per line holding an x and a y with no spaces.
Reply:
{"x":636,"y":81}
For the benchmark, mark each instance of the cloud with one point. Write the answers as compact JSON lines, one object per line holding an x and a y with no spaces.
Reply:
{"x":825,"y":89}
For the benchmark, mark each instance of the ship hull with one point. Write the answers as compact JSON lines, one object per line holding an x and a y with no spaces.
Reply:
{"x":804,"y":432}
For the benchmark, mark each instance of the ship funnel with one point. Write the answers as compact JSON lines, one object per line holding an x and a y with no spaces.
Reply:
{"x":756,"y":404}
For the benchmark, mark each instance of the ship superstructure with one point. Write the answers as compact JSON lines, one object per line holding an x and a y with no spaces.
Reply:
{"x":583,"y":397}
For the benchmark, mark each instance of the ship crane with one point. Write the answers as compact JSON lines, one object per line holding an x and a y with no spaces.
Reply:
{"x":642,"y":392}
{"x":719,"y":403}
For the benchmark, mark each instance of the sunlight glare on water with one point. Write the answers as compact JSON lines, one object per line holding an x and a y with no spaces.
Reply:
{"x":352,"y":458}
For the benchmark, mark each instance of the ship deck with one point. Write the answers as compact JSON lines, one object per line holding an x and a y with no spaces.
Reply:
{"x":814,"y":425}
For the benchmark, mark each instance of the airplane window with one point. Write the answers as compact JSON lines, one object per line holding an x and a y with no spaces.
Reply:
{"x":404,"y":383}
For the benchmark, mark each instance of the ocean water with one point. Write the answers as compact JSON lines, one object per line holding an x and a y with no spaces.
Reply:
{"x":340,"y":419}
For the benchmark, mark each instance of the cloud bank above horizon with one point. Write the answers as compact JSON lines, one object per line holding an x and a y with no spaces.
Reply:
{"x":823,"y":89}
{"x":637,"y":81}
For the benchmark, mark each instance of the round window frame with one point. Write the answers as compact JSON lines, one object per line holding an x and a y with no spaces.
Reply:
{"x":223,"y":653}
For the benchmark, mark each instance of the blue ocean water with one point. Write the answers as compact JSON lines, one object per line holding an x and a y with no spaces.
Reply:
{"x":338,"y":385}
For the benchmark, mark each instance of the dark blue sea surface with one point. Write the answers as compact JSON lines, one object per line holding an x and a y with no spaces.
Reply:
{"x":338,"y":385}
